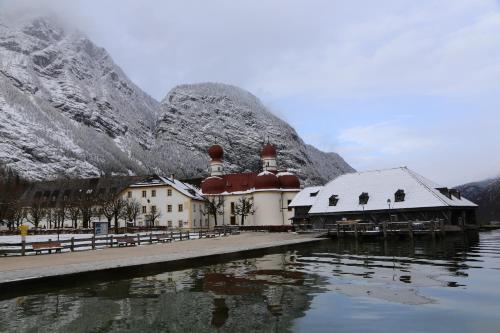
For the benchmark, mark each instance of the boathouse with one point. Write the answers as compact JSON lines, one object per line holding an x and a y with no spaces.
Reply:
{"x":398,"y":194}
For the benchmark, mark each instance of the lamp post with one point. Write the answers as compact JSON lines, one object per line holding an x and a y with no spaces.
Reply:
{"x":389,"y":204}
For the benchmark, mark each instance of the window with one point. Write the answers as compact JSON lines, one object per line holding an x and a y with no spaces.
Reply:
{"x":313,"y":194}
{"x":169,"y":224}
{"x":144,"y":209}
{"x":129,"y":194}
{"x":445,"y":191}
{"x":180,"y":208}
{"x":232,"y":207}
{"x":399,"y":196}
{"x":333,"y":200}
{"x":169,"y":208}
{"x":288,"y":205}
{"x":143,"y":194}
{"x":180,"y":223}
{"x":153,"y":209}
{"x":169,"y":192}
{"x":456,"y":193}
{"x":363,"y":198}
{"x":194,"y":207}
{"x":153,"y":193}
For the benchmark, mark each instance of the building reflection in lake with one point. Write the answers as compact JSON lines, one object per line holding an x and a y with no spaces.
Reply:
{"x":263,"y":294}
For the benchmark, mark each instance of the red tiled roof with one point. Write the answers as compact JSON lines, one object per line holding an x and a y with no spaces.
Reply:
{"x":240,"y":182}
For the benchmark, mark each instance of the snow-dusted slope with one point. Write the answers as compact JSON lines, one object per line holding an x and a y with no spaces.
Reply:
{"x":486,"y":194}
{"x":65,"y":107}
{"x":195,"y":116}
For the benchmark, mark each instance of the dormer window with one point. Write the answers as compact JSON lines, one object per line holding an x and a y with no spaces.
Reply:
{"x":313,"y":194}
{"x":399,"y":196}
{"x":444,"y":191}
{"x":333,"y":200}
{"x":455,"y":193}
{"x":363,"y":198}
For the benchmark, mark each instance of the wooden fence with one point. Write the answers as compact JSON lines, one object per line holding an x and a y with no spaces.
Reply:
{"x":99,"y":242}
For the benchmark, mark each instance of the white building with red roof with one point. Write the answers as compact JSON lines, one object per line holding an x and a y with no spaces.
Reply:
{"x":270,"y":191}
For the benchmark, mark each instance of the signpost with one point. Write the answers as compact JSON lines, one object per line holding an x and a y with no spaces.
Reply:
{"x":100,"y":228}
{"x":24,"y":232}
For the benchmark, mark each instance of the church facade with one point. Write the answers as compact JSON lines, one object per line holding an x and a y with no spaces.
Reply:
{"x":269,"y":192}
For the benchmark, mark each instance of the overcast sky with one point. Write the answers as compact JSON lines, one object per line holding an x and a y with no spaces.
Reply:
{"x":383,"y":83}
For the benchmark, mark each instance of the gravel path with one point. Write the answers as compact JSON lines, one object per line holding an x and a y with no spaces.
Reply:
{"x":35,"y":267}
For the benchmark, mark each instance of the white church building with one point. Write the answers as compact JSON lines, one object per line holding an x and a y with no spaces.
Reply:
{"x":271,"y":191}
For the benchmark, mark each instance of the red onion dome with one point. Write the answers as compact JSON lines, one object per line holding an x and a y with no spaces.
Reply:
{"x":268,"y":151}
{"x":266,"y":180}
{"x":213,"y":185}
{"x":216,"y":152}
{"x":288,"y":180}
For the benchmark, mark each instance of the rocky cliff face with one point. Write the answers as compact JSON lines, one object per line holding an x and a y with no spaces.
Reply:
{"x":65,"y":107}
{"x":195,"y":116}
{"x":67,"y":110}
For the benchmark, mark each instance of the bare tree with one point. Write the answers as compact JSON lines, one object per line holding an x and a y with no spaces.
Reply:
{"x":132,"y":210}
{"x":153,"y":216}
{"x":107,"y":210}
{"x":214,"y":206}
{"x":60,"y":213}
{"x":243,"y":208}
{"x":73,"y":213}
{"x":50,"y":217}
{"x":14,"y":214}
{"x":36,"y":213}
{"x":85,"y":203}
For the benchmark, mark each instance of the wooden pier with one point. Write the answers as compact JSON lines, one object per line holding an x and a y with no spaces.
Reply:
{"x":386,"y":229}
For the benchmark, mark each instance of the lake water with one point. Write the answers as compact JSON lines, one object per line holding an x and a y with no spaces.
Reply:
{"x":450,"y":285}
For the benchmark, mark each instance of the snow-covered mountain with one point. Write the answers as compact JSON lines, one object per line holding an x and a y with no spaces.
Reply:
{"x":67,"y":110}
{"x":486,"y":194}
{"x":65,"y":107}
{"x":198,"y":115}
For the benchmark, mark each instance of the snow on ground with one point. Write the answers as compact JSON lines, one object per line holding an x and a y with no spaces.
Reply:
{"x":16,"y":239}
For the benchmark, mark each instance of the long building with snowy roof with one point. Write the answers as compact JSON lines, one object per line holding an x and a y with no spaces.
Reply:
{"x":399,"y":194}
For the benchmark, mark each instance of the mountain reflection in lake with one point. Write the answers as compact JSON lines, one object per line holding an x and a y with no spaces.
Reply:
{"x":344,"y":286}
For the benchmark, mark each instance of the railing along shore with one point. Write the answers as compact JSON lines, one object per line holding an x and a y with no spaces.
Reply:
{"x":112,"y":240}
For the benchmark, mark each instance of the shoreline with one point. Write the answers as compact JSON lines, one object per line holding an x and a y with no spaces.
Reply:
{"x":22,"y":275}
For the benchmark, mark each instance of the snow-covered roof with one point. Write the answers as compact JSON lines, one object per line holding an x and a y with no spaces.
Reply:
{"x":381,"y":185}
{"x":184,"y":188}
{"x":306,"y":197}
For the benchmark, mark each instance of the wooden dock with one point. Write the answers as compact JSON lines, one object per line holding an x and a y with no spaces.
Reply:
{"x":386,"y":229}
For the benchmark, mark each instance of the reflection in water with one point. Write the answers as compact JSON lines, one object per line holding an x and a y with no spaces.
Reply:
{"x":345,"y":285}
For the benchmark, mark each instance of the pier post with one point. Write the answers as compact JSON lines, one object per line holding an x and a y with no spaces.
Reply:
{"x":93,"y":242}
{"x":384,"y":229}
{"x":356,"y":230}
{"x":338,"y":230}
{"x":433,"y":229}
{"x":441,"y":226}
{"x":410,"y":230}
{"x":72,"y":244}
{"x":23,"y":247}
{"x":138,"y":239}
{"x":151,"y":238}
{"x":462,"y":224}
{"x":111,"y":241}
